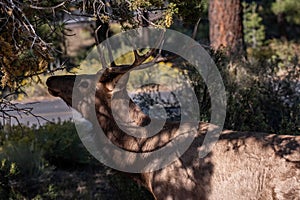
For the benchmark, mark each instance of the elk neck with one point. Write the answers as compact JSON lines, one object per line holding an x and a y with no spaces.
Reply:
{"x":103,"y":104}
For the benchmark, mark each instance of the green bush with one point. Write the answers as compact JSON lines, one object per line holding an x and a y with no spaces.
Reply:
{"x":28,"y":171}
{"x":34,"y":153}
{"x":262,"y":91}
{"x":58,"y":143}
{"x":254,"y":30}
{"x":47,"y":163}
{"x":61,"y":145}
{"x":6,"y":172}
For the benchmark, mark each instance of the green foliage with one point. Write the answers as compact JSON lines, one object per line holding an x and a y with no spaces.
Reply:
{"x":191,"y":11}
{"x":62,"y":145}
{"x":27,"y":172}
{"x":21,"y":149}
{"x":50,"y":162}
{"x":59,"y":143}
{"x":136,"y":4}
{"x":254,"y":30}
{"x":38,"y":34}
{"x":171,"y":11}
{"x":25,"y":40}
{"x":263,"y":92}
{"x":7,"y":170}
{"x":20,"y":152}
{"x":32,"y":154}
{"x":19,"y":64}
{"x":244,"y":110}
{"x":290,"y":8}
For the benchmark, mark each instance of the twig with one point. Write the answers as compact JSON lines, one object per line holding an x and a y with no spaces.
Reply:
{"x":6,"y":107}
{"x":48,"y":8}
{"x":196,"y":29}
{"x":102,"y":58}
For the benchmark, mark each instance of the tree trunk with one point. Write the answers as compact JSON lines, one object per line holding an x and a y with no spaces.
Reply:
{"x":282,"y":26}
{"x":226,"y":26}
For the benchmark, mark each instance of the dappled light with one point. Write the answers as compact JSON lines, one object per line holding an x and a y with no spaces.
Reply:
{"x":154,"y":100}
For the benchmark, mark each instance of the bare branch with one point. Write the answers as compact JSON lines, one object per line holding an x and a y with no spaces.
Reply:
{"x":48,"y":8}
{"x":49,"y":71}
{"x":101,"y":55}
{"x":141,"y":15}
{"x":11,"y":110}
{"x":196,"y":28}
{"x":20,"y":21}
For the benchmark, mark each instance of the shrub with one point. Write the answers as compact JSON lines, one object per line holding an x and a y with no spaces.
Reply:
{"x":61,"y":145}
{"x":28,"y":171}
{"x":6,"y":172}
{"x":263,"y":91}
{"x":32,"y":153}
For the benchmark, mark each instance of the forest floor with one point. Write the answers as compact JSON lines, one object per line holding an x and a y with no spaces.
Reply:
{"x":82,"y":182}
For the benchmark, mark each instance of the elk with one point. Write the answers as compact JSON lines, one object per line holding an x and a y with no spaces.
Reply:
{"x":241,"y":165}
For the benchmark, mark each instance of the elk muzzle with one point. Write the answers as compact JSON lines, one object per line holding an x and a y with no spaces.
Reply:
{"x":61,"y":86}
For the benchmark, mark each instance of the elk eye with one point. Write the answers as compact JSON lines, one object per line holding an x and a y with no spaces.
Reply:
{"x":84,"y":84}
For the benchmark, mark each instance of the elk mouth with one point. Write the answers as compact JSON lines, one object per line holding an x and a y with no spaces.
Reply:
{"x":53,"y":92}
{"x":53,"y":82}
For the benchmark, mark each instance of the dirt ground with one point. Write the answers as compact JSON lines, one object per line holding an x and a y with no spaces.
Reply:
{"x":82,"y":182}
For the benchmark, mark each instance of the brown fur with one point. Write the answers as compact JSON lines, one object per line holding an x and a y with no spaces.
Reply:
{"x":242,"y":165}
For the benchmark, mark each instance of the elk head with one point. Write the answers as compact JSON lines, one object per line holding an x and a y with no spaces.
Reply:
{"x":78,"y":90}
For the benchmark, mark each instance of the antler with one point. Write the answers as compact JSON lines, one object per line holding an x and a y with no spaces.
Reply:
{"x":138,"y":63}
{"x":113,"y":70}
{"x":140,"y":59}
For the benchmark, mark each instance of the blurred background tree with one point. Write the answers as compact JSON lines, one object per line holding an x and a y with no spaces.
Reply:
{"x":254,"y":30}
{"x":287,"y":11}
{"x":226,"y":26}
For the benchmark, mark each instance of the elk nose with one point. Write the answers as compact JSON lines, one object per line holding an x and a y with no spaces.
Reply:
{"x":59,"y":82}
{"x":49,"y":81}
{"x":54,"y":81}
